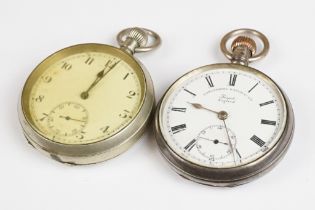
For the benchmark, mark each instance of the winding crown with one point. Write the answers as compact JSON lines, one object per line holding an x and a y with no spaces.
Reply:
{"x":139,"y":35}
{"x":244,"y":41}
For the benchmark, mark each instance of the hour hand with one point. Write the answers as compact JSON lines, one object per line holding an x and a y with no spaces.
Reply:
{"x":199,"y":106}
{"x":100,"y":75}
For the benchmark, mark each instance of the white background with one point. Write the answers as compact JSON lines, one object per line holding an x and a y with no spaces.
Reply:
{"x":141,"y":178}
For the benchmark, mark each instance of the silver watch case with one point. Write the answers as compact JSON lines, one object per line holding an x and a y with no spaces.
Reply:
{"x":101,"y":150}
{"x":225,"y":177}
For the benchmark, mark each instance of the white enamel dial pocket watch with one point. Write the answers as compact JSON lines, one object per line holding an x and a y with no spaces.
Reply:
{"x":225,"y":124}
{"x":89,"y":102}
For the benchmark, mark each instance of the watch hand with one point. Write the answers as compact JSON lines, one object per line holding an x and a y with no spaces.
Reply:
{"x":216,"y":141}
{"x":69,"y":118}
{"x":222,"y":115}
{"x":100,"y":75}
{"x":199,"y":106}
{"x":238,"y":153}
{"x":230,"y":143}
{"x":233,"y":142}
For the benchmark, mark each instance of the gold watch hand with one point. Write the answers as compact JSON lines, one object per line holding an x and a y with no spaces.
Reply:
{"x":199,"y":106}
{"x":100,"y":75}
{"x":69,"y":118}
{"x":230,"y":143}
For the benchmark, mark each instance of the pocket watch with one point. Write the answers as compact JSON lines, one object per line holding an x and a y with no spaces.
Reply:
{"x":225,"y":124}
{"x":89,"y":102}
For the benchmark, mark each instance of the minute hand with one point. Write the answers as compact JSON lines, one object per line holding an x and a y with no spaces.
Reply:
{"x":229,"y":140}
{"x":100,"y":75}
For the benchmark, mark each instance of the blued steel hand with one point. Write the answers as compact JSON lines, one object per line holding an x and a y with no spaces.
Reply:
{"x":100,"y":75}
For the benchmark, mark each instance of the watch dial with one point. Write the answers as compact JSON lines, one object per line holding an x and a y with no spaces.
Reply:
{"x":222,"y":117}
{"x":84,"y":97}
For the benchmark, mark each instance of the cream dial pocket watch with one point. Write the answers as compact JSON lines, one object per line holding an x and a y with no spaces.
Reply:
{"x":89,"y":102}
{"x":225,"y":124}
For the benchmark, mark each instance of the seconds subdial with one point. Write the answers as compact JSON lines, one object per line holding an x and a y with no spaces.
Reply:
{"x":67,"y":119}
{"x":211,"y":144}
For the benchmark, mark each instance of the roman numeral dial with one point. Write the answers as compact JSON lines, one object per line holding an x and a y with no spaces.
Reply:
{"x":195,"y":126}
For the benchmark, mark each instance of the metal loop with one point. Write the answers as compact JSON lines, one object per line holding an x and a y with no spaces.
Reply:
{"x":121,"y":37}
{"x":245,"y":32}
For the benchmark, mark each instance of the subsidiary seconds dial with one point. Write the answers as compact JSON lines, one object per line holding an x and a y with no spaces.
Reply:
{"x":60,"y":122}
{"x":244,"y":116}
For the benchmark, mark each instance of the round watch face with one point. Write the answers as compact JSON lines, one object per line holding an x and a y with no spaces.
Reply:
{"x":83,"y":94}
{"x":222,"y":116}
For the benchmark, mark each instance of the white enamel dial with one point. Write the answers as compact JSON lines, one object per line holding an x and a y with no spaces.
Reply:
{"x":191,"y":125}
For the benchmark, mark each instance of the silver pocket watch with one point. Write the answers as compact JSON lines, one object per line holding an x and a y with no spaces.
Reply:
{"x":225,"y":124}
{"x":90,"y":102}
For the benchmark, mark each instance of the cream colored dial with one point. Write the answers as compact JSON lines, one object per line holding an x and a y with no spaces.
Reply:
{"x":84,"y":97}
{"x":67,"y":119}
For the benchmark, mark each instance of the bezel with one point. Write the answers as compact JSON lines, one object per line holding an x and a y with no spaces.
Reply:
{"x":106,"y":148}
{"x":225,"y":176}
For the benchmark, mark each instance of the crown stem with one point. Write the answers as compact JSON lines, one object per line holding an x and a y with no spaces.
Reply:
{"x":135,"y":37}
{"x":243,"y":48}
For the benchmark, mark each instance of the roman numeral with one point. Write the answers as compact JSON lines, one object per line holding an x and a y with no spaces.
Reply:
{"x":190,"y":145}
{"x":175,"y":109}
{"x":209,"y":80}
{"x":253,"y":87}
{"x":257,"y":140}
{"x":178,"y":128}
{"x":232,"y":79}
{"x":268,"y":122}
{"x":89,"y":61}
{"x":266,"y":103}
{"x":47,"y":79}
{"x":190,"y":92}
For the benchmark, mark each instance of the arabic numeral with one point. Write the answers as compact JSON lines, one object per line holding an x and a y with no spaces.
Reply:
{"x":47,"y":79}
{"x":81,"y":135}
{"x":125,"y":114}
{"x":44,"y":117}
{"x":131,"y":94}
{"x":89,"y":61}
{"x":104,"y":129}
{"x":66,"y":66}
{"x":39,"y":98}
